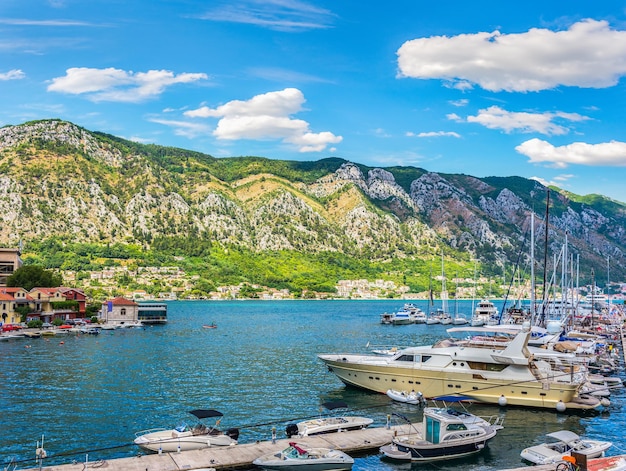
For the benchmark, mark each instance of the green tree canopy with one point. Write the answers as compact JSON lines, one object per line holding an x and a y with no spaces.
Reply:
{"x":34,"y":276}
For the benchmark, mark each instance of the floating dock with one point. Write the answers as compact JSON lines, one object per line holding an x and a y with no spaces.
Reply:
{"x":240,"y":456}
{"x":355,"y":443}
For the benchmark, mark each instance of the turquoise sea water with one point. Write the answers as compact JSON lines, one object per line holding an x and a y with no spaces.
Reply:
{"x":90,"y":394}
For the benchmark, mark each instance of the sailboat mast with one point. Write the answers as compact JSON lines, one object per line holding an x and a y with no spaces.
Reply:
{"x":532,"y":265}
{"x":545,"y":262}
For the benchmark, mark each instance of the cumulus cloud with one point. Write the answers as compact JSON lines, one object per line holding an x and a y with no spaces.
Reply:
{"x":280,"y":15}
{"x":495,"y":117}
{"x":15,"y":74}
{"x":434,"y":134}
{"x":119,"y":85}
{"x":589,"y":55}
{"x":267,"y":116}
{"x":609,"y":154}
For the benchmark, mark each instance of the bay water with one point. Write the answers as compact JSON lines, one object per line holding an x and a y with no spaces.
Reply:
{"x":88,"y":395}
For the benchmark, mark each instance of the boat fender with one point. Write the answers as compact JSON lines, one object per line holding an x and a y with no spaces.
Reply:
{"x":560,"y":406}
{"x":502,"y":401}
{"x":291,"y":430}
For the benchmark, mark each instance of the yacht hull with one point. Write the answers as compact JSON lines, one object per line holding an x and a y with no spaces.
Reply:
{"x":472,"y":385}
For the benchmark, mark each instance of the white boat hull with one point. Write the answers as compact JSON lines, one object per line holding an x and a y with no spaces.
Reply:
{"x":553,"y":452}
{"x":169,"y":441}
{"x":316,"y":459}
{"x":406,"y":397}
{"x":501,"y":376}
{"x":332,"y":424}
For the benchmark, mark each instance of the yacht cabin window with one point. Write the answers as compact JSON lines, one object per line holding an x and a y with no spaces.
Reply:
{"x":414,"y":358}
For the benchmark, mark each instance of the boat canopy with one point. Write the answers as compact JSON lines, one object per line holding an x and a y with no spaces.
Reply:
{"x":205,"y":413}
{"x":335,"y":405}
{"x":564,"y":436}
{"x":453,"y":398}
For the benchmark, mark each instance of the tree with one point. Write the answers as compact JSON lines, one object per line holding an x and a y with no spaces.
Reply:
{"x":34,"y":276}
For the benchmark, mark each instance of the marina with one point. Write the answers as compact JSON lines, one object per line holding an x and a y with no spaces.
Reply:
{"x":89,"y":395}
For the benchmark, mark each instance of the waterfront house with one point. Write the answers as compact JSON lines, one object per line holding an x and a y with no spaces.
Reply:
{"x":11,"y":298}
{"x":74,"y":294}
{"x":119,"y":311}
{"x":43,"y":305}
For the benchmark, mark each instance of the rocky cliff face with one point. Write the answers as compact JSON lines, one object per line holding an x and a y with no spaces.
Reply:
{"x":59,"y":179}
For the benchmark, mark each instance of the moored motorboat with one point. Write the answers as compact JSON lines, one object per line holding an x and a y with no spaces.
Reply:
{"x":188,"y":437}
{"x":446,"y":434}
{"x":563,"y":443}
{"x":322,"y":425}
{"x":295,"y":458}
{"x":506,"y":373}
{"x":485,"y":313}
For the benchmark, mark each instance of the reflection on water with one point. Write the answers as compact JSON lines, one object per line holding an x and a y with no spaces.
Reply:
{"x":90,"y":394}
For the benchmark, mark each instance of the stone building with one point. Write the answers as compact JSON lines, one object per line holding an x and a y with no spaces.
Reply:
{"x":9,"y":262}
{"x":119,"y":311}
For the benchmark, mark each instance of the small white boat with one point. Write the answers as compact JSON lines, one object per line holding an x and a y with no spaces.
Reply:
{"x":401,"y":317}
{"x":562,"y":444}
{"x":321,"y":425}
{"x":186,"y":437}
{"x":446,"y":434}
{"x":296,"y":458}
{"x":459,"y":319}
{"x":412,"y":397}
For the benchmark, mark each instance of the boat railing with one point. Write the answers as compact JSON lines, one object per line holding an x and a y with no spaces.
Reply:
{"x":412,"y":429}
{"x":151,"y":430}
{"x":495,"y":421}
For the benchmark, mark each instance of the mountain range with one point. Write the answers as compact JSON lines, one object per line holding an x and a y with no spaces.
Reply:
{"x":60,"y":181}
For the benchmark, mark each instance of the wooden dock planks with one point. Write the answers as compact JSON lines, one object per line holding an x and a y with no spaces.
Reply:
{"x":242,"y":456}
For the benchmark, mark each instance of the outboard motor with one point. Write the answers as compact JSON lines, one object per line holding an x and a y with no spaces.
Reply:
{"x":291,"y":430}
{"x":233,"y":433}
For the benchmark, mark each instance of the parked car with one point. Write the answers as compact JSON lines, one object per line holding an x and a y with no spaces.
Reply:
{"x":10,"y":327}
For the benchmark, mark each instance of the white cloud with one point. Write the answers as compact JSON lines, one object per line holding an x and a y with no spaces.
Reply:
{"x":280,"y":15}
{"x":560,"y":181}
{"x":267,"y":116}
{"x":609,"y":154}
{"x":119,"y":85}
{"x":434,"y":134}
{"x":184,"y":128}
{"x":495,"y":117}
{"x":589,"y":54}
{"x":15,"y":74}
{"x":459,"y":103}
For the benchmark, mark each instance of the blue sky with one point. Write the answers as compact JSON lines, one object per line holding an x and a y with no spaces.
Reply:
{"x":485,"y":88}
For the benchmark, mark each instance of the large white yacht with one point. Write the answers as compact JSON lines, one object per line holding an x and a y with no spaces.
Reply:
{"x":503,"y":373}
{"x":486,"y":313}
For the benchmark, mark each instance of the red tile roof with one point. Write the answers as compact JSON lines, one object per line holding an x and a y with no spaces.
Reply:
{"x":121,"y":302}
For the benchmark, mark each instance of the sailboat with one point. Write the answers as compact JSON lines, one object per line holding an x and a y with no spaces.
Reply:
{"x":459,"y":319}
{"x":435,"y":316}
{"x":445,"y":317}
